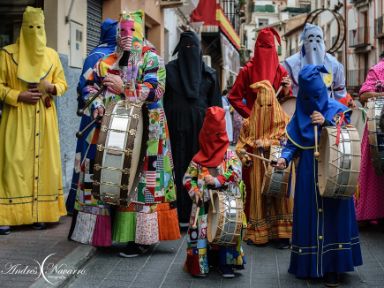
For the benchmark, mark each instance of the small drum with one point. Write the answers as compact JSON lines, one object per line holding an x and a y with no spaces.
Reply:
{"x":339,"y":166}
{"x":119,"y":150}
{"x":358,"y":120}
{"x":225,"y":219}
{"x":276,"y":182}
{"x":289,"y":106}
{"x":376,"y":134}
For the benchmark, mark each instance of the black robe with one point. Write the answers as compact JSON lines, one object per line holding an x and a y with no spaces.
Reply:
{"x":185,"y":118}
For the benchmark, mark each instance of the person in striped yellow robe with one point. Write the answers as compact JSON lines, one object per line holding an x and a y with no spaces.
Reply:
{"x":268,"y":218}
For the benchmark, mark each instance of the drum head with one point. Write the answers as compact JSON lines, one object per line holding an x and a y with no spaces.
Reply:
{"x":289,"y":106}
{"x":213,"y":218}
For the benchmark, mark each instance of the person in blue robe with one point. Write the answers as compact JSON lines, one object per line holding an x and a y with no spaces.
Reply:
{"x":84,"y":149}
{"x":325,"y":240}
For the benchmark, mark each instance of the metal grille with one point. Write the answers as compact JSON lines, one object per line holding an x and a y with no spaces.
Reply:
{"x":94,"y":18}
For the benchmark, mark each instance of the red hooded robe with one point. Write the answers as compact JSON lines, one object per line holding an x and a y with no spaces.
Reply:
{"x":263,"y":66}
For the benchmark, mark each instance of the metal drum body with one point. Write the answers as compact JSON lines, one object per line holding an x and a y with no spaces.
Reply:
{"x":225,"y":224}
{"x":339,"y":166}
{"x":376,"y":135}
{"x":359,"y":119}
{"x":289,"y":106}
{"x":119,"y":150}
{"x":275,"y":181}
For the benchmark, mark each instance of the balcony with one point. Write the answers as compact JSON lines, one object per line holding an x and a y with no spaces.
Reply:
{"x":359,"y":37}
{"x":379,"y":25}
{"x":164,"y":4}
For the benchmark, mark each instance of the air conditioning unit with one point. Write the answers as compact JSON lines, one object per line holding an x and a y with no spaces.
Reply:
{"x":207,"y":60}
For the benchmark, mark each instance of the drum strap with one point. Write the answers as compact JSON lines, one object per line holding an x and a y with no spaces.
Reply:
{"x":340,"y":123}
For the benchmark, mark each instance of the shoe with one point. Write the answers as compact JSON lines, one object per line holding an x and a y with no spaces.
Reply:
{"x":39,"y":226}
{"x":134,"y":250}
{"x":5,"y":230}
{"x":331,"y":279}
{"x":199,"y":275}
{"x":226,"y":271}
{"x":283,"y":244}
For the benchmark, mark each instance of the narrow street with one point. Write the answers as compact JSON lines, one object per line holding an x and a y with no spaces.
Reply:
{"x":266,"y":268}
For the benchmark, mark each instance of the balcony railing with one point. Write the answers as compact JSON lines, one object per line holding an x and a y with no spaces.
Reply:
{"x":356,"y":77}
{"x":379,"y":27}
{"x":359,"y":37}
{"x":171,"y":3}
{"x":264,"y":8}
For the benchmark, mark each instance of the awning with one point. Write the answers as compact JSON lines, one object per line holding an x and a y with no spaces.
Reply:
{"x":212,"y":15}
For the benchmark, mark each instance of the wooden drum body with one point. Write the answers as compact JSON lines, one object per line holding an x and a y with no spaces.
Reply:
{"x":225,"y":219}
{"x":376,"y":135}
{"x":119,"y":150}
{"x":339,"y":165}
{"x":275,"y":181}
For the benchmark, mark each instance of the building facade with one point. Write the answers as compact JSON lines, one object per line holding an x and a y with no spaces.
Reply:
{"x":286,"y":17}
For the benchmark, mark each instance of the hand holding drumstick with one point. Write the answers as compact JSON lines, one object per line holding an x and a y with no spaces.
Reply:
{"x":317,"y":118}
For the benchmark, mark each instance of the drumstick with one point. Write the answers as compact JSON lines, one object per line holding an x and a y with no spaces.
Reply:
{"x":279,"y":90}
{"x":80,"y":112}
{"x":317,"y":153}
{"x":80,"y":133}
{"x":212,"y":203}
{"x":243,"y":151}
{"x":194,"y":226}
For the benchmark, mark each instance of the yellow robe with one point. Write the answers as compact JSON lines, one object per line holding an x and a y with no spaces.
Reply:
{"x":30,"y":166}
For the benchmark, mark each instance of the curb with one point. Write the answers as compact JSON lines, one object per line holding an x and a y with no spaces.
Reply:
{"x":74,"y":261}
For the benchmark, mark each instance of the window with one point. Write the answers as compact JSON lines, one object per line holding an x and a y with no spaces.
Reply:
{"x":262,"y":22}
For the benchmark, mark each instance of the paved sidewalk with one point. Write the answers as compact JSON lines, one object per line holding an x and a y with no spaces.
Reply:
{"x":24,"y":246}
{"x":267,"y":267}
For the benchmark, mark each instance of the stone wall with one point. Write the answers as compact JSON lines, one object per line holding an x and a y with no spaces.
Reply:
{"x":68,"y":121}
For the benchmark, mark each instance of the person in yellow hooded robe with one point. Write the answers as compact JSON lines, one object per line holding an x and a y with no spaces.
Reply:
{"x":30,"y":166}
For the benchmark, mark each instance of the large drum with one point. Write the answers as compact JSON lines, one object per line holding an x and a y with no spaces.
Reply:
{"x":376,"y":134}
{"x":119,"y":150}
{"x":289,"y":106}
{"x":225,"y":219}
{"x":339,"y":165}
{"x":276,"y":181}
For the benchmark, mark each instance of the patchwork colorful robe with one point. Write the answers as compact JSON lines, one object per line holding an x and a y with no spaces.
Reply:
{"x":151,"y":216}
{"x":200,"y":254}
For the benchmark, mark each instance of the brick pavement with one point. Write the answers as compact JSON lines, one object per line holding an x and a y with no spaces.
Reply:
{"x":267,"y":267}
{"x":24,"y":245}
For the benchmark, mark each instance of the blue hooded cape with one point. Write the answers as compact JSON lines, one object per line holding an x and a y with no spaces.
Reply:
{"x":107,"y":46}
{"x":312,"y":96}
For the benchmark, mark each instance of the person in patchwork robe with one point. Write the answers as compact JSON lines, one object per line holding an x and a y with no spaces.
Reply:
{"x":133,"y":72}
{"x":213,"y":167}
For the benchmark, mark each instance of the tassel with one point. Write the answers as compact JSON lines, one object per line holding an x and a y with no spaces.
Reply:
{"x":102,"y":235}
{"x":192,"y":263}
{"x":357,"y":192}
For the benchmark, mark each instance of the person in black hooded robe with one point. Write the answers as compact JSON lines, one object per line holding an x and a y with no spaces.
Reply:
{"x":191,"y":87}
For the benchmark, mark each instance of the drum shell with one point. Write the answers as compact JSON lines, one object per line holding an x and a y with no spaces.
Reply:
{"x":117,"y":161}
{"x":225,"y":223}
{"x":339,"y":165}
{"x":375,"y":134}
{"x":275,"y":181}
